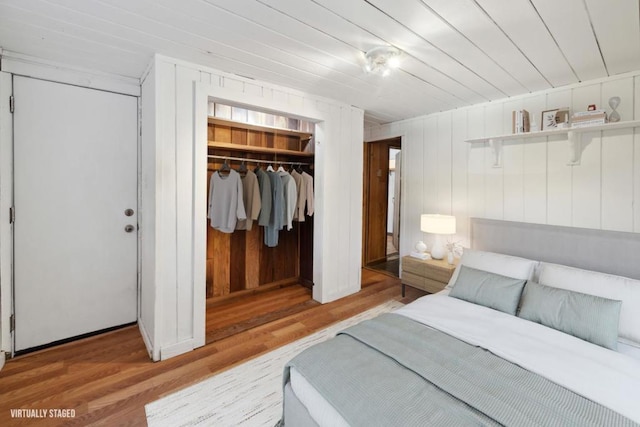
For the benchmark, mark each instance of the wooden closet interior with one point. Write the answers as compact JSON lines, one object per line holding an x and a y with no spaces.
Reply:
{"x":240,"y":261}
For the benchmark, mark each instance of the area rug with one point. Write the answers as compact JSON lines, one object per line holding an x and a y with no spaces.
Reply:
{"x":246,"y":395}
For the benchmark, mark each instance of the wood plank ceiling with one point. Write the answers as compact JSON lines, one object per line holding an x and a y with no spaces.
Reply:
{"x":454,"y":52}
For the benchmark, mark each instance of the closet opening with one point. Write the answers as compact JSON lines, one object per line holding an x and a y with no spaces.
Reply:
{"x":381,"y":210}
{"x":259,"y":269}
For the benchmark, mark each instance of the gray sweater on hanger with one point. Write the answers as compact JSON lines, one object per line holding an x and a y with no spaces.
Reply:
{"x":265,"y":196}
{"x":225,"y":201}
{"x":277,"y":218}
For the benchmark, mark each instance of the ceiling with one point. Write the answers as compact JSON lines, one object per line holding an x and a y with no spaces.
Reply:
{"x":455,"y":52}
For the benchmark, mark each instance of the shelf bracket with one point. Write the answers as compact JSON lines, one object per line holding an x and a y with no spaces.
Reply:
{"x":496,"y":152}
{"x":575,"y":147}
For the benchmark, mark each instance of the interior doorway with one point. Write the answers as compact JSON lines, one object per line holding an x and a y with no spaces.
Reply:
{"x":381,"y":210}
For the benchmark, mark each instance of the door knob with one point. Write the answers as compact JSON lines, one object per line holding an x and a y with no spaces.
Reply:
{"x":128,"y":212}
{"x":129,"y":228}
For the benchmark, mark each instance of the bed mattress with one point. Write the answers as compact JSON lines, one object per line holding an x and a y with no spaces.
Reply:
{"x":609,"y":378}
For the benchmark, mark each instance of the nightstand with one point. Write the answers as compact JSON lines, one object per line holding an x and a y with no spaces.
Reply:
{"x":430,"y":275}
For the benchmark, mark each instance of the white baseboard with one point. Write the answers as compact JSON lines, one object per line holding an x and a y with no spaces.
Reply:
{"x":177,"y":349}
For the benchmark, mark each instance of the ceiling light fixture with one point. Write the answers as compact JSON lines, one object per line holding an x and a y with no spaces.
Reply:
{"x":381,"y":60}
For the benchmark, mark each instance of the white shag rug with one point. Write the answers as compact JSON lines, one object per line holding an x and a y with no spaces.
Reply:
{"x":247,"y":395}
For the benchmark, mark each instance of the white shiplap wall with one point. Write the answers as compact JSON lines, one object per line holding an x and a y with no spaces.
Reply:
{"x":174,"y":199}
{"x":445,"y":174}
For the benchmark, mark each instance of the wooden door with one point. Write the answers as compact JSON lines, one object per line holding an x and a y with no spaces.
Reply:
{"x":376,"y":183}
{"x":75,"y":245}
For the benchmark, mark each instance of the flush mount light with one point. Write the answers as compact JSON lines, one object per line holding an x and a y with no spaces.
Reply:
{"x":381,"y":60}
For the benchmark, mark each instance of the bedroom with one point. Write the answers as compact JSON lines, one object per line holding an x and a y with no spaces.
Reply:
{"x":569,"y":63}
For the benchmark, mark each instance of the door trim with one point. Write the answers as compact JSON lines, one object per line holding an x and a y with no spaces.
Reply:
{"x":6,"y":201}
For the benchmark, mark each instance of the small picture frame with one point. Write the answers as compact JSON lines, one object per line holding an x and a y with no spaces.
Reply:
{"x":548,"y":120}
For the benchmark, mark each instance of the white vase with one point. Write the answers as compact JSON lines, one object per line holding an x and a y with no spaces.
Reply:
{"x":450,"y":258}
{"x":421,"y":247}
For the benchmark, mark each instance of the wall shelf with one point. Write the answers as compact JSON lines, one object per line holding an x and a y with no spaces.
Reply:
{"x":574,"y":136}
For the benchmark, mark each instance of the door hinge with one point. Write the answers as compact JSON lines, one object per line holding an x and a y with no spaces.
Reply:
{"x":12,"y":215}
{"x":12,"y":323}
{"x":12,"y":104}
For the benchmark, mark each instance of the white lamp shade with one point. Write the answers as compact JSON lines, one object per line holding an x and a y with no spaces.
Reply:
{"x":438,"y":224}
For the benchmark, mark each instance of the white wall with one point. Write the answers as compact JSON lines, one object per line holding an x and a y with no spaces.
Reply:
{"x":147,"y":303}
{"x":177,"y":179}
{"x":444,"y":174}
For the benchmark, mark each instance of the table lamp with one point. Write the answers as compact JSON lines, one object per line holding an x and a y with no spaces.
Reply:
{"x":438,"y":225}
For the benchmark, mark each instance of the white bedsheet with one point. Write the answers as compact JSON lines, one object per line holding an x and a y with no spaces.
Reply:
{"x":604,"y":376}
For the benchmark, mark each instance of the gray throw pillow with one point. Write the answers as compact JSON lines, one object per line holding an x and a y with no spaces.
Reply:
{"x":584,"y":316}
{"x":488,"y":289}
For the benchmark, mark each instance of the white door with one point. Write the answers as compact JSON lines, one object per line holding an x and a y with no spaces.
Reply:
{"x":75,"y":174}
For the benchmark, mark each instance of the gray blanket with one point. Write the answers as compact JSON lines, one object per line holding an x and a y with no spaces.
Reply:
{"x":393,"y":371}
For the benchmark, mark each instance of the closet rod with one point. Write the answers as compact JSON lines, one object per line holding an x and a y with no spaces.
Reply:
{"x":240,"y":159}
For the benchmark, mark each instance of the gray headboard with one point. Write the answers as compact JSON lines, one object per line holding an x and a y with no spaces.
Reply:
{"x":605,"y":251}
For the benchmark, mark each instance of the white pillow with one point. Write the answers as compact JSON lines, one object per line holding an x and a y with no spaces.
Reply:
{"x":601,"y":285}
{"x":505,"y":265}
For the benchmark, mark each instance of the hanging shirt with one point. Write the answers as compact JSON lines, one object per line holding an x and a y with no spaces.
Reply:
{"x":298,"y":214}
{"x":225,"y":201}
{"x":276,"y":219}
{"x":290,"y":199}
{"x":308,"y":180}
{"x":251,"y":199}
{"x":265,"y":197}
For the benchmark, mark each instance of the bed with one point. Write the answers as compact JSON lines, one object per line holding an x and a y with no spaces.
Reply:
{"x":510,"y":341}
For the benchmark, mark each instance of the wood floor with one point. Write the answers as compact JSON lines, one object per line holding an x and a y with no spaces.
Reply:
{"x":108,"y":379}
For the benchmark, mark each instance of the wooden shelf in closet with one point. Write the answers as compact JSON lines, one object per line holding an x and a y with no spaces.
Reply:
{"x":260,"y":128}
{"x":255,"y":149}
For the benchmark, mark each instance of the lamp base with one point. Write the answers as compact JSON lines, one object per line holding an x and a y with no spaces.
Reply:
{"x":437,"y":251}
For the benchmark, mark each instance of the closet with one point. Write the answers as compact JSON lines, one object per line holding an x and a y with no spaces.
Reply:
{"x":240,"y":261}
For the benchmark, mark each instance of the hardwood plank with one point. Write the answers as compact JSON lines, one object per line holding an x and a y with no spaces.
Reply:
{"x":252,"y":257}
{"x":221,"y":264}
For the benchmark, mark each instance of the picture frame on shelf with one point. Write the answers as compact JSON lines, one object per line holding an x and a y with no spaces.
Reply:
{"x":548,"y":119}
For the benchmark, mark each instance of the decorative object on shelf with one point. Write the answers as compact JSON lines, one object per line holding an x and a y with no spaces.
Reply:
{"x":421,"y":251}
{"x":548,"y":119}
{"x":382,"y":60}
{"x":520,"y":122}
{"x":438,"y":225}
{"x":614,"y":102}
{"x":588,"y":118}
{"x":556,"y":118}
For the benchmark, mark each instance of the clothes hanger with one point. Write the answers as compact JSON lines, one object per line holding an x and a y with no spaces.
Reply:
{"x":243,"y":169}
{"x":225,"y":169}
{"x":270,"y":168}
{"x":280,"y":168}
